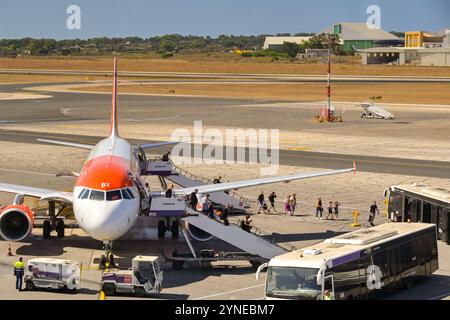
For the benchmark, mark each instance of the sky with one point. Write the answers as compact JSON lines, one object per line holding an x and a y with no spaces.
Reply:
{"x":146,"y":18}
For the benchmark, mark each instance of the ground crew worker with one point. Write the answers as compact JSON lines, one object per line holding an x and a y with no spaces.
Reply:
{"x":327,"y":295}
{"x":19,"y":269}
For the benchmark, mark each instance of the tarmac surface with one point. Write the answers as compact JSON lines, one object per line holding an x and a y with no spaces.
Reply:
{"x":219,"y":281}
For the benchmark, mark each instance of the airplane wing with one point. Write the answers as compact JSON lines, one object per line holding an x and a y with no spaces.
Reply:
{"x":209,"y":188}
{"x":68,"y":144}
{"x":43,"y":194}
{"x":156,"y":145}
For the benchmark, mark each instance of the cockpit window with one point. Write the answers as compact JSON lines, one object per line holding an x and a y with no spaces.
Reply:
{"x":97,"y":195}
{"x":81,"y":193}
{"x":125,"y":194}
{"x":85,"y":194}
{"x":131,"y":193}
{"x":113,"y":195}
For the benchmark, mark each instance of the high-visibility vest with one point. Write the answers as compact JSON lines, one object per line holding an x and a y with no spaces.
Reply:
{"x":19,"y":266}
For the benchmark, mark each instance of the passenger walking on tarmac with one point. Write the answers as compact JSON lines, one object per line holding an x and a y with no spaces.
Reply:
{"x":246,"y":223}
{"x":272,"y":197}
{"x":165,"y":157}
{"x":147,"y":187}
{"x":193,"y":200}
{"x":262,"y":203}
{"x":169,"y":191}
{"x":19,"y":269}
{"x":319,"y":209}
{"x":330,"y":211}
{"x":336,"y":210}
{"x":373,"y":211}
{"x":287,"y":205}
{"x":293,"y":203}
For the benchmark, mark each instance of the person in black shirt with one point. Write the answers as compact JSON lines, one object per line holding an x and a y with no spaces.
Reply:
{"x":169,"y":191}
{"x":165,"y":156}
{"x":373,"y":210}
{"x":225,"y":213}
{"x":262,"y":203}
{"x":272,"y":197}
{"x":193,"y":199}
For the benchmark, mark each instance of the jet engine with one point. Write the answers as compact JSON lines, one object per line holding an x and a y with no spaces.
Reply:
{"x":16,"y":222}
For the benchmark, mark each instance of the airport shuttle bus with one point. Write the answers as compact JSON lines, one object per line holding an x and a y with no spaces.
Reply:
{"x":363,"y":264}
{"x":420,"y":203}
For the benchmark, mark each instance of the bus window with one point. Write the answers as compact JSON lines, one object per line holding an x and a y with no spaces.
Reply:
{"x":288,"y":282}
{"x":426,"y":215}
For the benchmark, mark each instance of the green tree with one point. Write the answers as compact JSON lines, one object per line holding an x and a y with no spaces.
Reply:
{"x":291,"y":48}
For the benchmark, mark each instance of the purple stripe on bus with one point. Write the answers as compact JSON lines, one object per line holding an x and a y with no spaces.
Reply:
{"x":347,"y":258}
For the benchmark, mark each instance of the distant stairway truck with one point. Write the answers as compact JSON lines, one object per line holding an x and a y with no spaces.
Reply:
{"x":235,"y":236}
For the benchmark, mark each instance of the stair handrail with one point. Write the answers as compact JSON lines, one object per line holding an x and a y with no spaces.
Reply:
{"x":268,"y":237}
{"x":205,"y":180}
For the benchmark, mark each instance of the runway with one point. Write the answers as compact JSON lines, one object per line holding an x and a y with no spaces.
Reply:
{"x":186,"y":110}
{"x":237,"y":76}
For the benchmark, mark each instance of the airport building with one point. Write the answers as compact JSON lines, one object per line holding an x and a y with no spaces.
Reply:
{"x":421,"y":48}
{"x":277,"y":43}
{"x":357,"y":36}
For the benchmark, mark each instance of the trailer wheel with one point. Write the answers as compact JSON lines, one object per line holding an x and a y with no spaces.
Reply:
{"x":46,"y":229}
{"x":29,"y":285}
{"x":109,"y":289}
{"x":60,"y":228}
{"x":175,"y":229}
{"x":161,"y":229}
{"x":177,"y":265}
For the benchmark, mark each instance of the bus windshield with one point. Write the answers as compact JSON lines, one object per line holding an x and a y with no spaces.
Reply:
{"x":296,"y":283}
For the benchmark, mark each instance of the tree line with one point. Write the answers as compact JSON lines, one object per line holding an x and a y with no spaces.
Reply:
{"x":171,"y":43}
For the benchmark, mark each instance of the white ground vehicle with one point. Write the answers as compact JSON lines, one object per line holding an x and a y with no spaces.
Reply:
{"x":53,"y":274}
{"x":144,"y":277}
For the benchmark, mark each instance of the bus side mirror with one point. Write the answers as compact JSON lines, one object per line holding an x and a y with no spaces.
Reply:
{"x":260,"y":268}
{"x":320,"y":276}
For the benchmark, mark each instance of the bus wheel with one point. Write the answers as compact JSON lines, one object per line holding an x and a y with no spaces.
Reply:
{"x":161,"y":229}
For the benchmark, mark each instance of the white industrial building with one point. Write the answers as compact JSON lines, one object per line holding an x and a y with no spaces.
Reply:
{"x":276,"y":43}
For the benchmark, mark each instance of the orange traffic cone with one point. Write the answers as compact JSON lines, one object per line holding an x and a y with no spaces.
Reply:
{"x":9,"y":251}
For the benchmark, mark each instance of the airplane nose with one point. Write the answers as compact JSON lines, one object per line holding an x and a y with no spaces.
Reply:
{"x":105,"y":220}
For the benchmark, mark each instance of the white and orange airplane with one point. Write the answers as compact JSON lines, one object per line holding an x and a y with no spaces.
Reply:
{"x":108,"y":193}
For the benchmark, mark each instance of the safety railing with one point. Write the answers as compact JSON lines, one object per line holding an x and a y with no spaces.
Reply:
{"x":268,"y":237}
{"x":242,"y":199}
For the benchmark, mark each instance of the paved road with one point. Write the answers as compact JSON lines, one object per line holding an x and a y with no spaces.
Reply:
{"x":259,"y":77}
